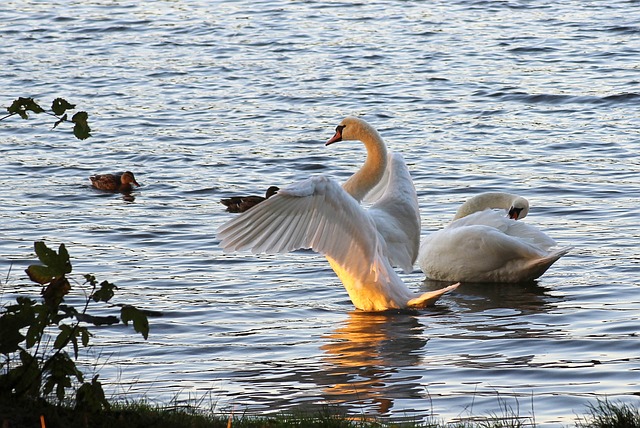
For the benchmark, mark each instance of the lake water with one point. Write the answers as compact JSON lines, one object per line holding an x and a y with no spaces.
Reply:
{"x":205,"y":99}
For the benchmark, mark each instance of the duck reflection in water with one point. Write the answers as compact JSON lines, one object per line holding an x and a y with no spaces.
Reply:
{"x":367,"y":353}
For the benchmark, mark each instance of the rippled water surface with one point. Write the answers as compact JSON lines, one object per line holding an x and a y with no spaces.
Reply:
{"x":204,"y":100}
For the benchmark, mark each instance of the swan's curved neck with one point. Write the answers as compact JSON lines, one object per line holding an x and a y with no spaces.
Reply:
{"x":371,"y":172}
{"x":483,"y":201}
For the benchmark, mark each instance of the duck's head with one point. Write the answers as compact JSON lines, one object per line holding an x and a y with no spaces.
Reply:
{"x":127,"y":178}
{"x":272,"y":191}
{"x":519,"y":208}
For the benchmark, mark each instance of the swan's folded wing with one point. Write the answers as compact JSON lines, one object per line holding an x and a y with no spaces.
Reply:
{"x":531,"y":234}
{"x":397,"y":215}
{"x":315,"y":213}
{"x":488,"y":217}
{"x":516,"y":228}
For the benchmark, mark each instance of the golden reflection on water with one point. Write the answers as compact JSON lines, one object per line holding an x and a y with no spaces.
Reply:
{"x":369,"y":349}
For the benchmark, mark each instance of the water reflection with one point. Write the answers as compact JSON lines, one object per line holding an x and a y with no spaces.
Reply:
{"x":494,"y":314}
{"x":367,"y":353}
{"x":521,"y":299}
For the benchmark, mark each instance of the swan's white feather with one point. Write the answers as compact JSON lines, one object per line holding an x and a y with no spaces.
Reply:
{"x":498,"y":220}
{"x":396,"y":214}
{"x":487,"y":246}
{"x":379,"y":189}
{"x":315,"y":213}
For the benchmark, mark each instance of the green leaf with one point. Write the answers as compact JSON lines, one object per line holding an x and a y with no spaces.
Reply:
{"x":40,"y":274}
{"x":44,"y":253}
{"x":64,"y":258}
{"x":81,"y":130}
{"x":67,"y":334}
{"x":63,"y":337}
{"x":70,"y":334}
{"x":22,"y":302}
{"x":55,"y":264}
{"x":90,"y":397}
{"x":105,"y":293}
{"x":58,"y":261}
{"x":67,"y":311}
{"x":74,"y":342}
{"x":22,"y":105}
{"x":58,"y":371}
{"x":84,"y":332}
{"x":55,"y":291}
{"x":14,"y":319}
{"x":60,"y":105}
{"x":37,"y":326}
{"x":140,"y":321}
{"x":90,"y":279}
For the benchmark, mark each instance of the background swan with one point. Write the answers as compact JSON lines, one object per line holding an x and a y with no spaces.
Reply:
{"x":360,"y":244}
{"x":485,"y":245}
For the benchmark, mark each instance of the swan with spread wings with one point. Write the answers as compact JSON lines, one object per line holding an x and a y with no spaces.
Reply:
{"x":361,"y":244}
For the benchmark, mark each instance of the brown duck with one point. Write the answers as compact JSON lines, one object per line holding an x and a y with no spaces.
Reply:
{"x":120,"y":182}
{"x":239,"y":204}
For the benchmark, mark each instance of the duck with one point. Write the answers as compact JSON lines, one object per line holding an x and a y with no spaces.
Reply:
{"x":362,"y":244}
{"x":482,"y":244}
{"x":240,"y":204}
{"x":120,"y":182}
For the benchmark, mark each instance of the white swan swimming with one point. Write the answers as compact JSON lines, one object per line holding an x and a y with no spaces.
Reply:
{"x":360,"y":244}
{"x":483,"y":245}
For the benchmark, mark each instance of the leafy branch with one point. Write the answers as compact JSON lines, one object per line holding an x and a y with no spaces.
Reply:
{"x":22,"y":106}
{"x":33,"y":365}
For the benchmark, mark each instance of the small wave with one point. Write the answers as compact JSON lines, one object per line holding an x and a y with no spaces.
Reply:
{"x":622,"y":98}
{"x":622,"y":29}
{"x":532,"y":49}
{"x":555,"y":99}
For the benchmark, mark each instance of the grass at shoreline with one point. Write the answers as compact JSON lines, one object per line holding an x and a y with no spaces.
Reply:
{"x":27,"y":413}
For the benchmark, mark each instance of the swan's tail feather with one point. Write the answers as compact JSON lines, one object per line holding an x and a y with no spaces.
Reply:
{"x":429,"y":298}
{"x":555,"y":255}
{"x":540,"y":266}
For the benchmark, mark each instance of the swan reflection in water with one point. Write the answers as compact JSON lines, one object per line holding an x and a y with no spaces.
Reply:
{"x":493,"y":310}
{"x":378,"y":360}
{"x":368,"y":353}
{"x":522,"y":298}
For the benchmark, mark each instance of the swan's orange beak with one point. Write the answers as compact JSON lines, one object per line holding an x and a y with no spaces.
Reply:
{"x":514,"y":213}
{"x":336,"y":137}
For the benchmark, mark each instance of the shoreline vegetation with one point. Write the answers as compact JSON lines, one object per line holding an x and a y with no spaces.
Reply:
{"x":22,"y":412}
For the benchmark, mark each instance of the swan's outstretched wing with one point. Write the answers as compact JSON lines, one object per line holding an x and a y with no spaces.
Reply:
{"x":397,"y":215}
{"x":314,"y":213}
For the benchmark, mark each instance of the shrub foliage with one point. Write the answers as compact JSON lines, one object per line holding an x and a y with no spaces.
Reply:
{"x":41,"y":338}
